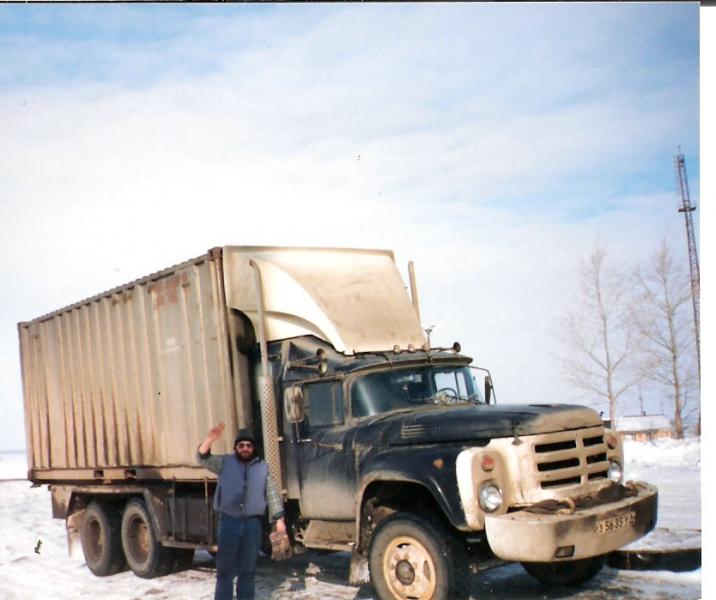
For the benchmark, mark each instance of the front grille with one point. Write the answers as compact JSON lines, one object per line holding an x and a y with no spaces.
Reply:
{"x":561,"y":482}
{"x":595,"y":458}
{"x":558,"y":464}
{"x":566,"y":445}
{"x":593,"y":441}
{"x":580,"y":456}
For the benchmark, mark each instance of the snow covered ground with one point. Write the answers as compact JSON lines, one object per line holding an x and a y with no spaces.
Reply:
{"x":34,"y":561}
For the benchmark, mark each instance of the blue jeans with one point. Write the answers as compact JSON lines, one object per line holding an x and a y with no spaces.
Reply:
{"x":239,"y":544}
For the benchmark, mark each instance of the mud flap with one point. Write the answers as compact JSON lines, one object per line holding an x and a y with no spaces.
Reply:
{"x":73,"y":523}
{"x":359,"y":573}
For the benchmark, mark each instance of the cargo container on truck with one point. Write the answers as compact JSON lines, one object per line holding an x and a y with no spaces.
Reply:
{"x":382,"y":446}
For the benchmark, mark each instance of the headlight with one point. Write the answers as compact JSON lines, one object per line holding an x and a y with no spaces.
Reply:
{"x":615,"y":471}
{"x":490,"y":497}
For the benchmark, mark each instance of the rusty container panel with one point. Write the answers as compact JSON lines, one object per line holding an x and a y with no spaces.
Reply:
{"x":127,"y":383}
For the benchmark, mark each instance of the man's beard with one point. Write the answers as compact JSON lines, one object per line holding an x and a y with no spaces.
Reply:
{"x":248,"y":458}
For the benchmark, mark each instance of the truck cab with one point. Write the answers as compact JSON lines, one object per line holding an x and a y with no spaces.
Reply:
{"x":334,"y":423}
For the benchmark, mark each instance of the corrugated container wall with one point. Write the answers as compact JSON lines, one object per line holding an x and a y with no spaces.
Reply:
{"x":130,"y":378}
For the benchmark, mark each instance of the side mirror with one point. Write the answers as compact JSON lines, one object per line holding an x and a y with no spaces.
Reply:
{"x":490,"y":397}
{"x":293,"y":404}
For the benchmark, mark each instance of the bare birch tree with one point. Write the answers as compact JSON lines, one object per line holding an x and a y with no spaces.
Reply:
{"x":597,"y":332}
{"x":663,"y":324}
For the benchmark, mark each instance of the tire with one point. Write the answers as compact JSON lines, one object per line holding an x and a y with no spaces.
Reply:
{"x":570,"y":573}
{"x":411,"y":557}
{"x":145,"y":555}
{"x":101,"y":540}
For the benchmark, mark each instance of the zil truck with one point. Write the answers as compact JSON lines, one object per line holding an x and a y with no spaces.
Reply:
{"x":383,"y":446}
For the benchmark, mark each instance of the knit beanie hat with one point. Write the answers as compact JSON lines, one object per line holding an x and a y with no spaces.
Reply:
{"x":245,"y":435}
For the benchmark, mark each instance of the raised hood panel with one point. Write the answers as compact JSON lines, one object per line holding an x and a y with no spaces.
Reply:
{"x":465,"y":423}
{"x":353,"y":299}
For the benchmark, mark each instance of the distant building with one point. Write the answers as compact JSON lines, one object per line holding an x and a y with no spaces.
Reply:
{"x":644,"y":427}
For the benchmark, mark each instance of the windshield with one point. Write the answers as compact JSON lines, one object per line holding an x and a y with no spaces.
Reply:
{"x":375,"y":393}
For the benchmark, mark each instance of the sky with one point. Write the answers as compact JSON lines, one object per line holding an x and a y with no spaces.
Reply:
{"x":492,"y":144}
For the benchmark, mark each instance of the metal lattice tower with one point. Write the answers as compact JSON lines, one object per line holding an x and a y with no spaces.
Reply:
{"x":687,"y":208}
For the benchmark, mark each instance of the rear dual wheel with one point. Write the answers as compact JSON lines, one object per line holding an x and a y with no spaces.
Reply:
{"x":111,"y":541}
{"x":100,"y":537}
{"x":145,"y":555}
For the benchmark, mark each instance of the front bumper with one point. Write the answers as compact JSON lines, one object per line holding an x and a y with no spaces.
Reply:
{"x":531,"y":537}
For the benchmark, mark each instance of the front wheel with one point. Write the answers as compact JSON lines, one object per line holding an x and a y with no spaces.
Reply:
{"x":569,"y":573}
{"x":413,"y":558}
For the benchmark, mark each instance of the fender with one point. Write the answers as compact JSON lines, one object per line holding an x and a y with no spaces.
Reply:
{"x":432,"y":467}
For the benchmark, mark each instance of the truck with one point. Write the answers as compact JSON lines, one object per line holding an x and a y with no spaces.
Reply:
{"x":382,"y":445}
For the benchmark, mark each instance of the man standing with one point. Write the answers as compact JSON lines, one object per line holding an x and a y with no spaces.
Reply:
{"x":243,"y":490}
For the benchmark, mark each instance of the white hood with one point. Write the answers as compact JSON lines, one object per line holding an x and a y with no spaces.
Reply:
{"x":353,"y":299}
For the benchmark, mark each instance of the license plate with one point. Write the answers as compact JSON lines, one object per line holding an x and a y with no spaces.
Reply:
{"x":613,"y":523}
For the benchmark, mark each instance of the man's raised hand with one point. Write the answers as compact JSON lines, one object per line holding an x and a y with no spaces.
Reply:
{"x":213,"y":435}
{"x":215,"y":432}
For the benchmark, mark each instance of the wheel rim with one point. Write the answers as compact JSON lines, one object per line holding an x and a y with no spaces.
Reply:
{"x":95,"y":540}
{"x":409,"y":570}
{"x":138,"y":539}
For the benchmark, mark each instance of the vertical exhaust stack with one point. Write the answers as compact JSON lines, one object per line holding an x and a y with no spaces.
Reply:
{"x":267,"y":396}
{"x":414,"y":288}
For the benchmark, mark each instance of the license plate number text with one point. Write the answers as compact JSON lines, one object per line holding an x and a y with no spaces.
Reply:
{"x":604,"y":526}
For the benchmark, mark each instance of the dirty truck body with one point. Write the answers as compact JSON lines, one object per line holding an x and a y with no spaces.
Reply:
{"x":383,"y":446}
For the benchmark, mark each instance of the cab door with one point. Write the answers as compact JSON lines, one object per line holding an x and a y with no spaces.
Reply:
{"x":325,"y":467}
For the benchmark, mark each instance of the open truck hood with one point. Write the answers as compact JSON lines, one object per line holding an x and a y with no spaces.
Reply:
{"x":354,"y":299}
